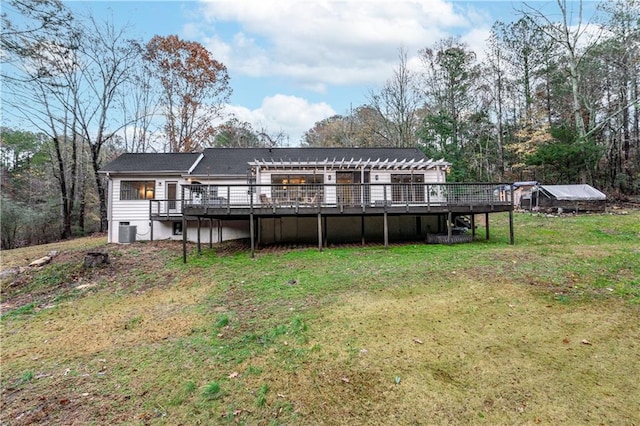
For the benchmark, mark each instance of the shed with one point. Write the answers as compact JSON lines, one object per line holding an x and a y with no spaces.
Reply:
{"x":568,"y":198}
{"x":521,"y":192}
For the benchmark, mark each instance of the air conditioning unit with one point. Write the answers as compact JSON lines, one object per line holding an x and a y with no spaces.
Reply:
{"x":127,"y":234}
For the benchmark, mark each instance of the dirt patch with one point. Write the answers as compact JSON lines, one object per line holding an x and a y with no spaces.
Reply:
{"x":66,"y":276}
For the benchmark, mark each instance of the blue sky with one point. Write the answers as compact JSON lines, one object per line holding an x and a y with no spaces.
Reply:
{"x":293,"y":63}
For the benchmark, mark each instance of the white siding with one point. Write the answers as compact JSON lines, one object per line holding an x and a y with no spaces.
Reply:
{"x":231,"y":230}
{"x":136,"y":212}
{"x":131,"y":212}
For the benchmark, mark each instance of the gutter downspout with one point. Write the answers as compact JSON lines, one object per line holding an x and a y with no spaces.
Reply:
{"x":109,"y":207}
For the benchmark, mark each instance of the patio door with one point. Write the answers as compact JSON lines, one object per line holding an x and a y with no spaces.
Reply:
{"x":172,"y":195}
{"x":346,"y":190}
{"x":407,"y":188}
{"x":349,"y":190}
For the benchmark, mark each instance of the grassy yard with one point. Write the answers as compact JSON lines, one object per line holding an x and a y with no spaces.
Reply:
{"x":543,"y":332}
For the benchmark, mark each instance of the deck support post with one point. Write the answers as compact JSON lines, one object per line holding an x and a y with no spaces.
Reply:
{"x":386,"y":231}
{"x":184,"y":239}
{"x":362,"y":230}
{"x":473,"y":226}
{"x":210,"y":233}
{"x":199,"y":226}
{"x":511,"y":237}
{"x":325,"y":234}
{"x":319,"y":232}
{"x":449,"y":227}
{"x":258,"y":231}
{"x":151,"y":220}
{"x":486,"y":225}
{"x":253,"y":237}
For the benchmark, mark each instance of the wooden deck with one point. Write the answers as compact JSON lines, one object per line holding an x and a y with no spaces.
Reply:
{"x":215,"y":212}
{"x":242,"y":201}
{"x":254,"y":202}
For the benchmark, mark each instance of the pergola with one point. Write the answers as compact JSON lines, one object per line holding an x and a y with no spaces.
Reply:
{"x":352,"y":163}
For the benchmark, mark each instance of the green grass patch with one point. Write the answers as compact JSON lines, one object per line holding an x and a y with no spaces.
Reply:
{"x":545,"y":331}
{"x":212,"y":391}
{"x":27,"y":309}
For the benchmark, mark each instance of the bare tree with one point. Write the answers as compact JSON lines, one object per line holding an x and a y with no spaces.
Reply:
{"x":107,"y":59}
{"x":612,"y":85}
{"x":234,"y":133}
{"x":29,"y":23}
{"x":195,"y":87}
{"x":496,"y":83}
{"x":330,"y":132}
{"x":570,"y":37}
{"x":64,"y":83}
{"x":449,"y":81}
{"x":396,"y":105}
{"x":139,"y":105}
{"x":41,"y":88}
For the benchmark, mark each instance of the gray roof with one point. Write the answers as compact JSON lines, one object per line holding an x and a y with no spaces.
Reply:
{"x":527,"y":183}
{"x":235,"y":161}
{"x":573,"y":192}
{"x":151,"y":163}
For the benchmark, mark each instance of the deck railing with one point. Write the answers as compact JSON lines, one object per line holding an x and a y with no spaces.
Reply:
{"x":337,"y":195}
{"x":167,"y":209}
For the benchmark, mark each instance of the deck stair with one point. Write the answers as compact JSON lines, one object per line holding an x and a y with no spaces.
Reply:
{"x":461,"y":223}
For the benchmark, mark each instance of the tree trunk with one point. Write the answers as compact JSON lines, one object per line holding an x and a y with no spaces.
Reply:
{"x":82,"y":207}
{"x":67,"y":204}
{"x":100,"y":189}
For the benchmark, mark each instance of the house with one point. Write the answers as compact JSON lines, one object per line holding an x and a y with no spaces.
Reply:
{"x":282,"y":195}
{"x":573,"y":198}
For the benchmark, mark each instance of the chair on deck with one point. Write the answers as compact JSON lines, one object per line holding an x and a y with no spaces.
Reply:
{"x":312,"y":200}
{"x":265,"y":200}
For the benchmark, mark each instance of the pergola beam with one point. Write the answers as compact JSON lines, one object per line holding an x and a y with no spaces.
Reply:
{"x":351,"y":163}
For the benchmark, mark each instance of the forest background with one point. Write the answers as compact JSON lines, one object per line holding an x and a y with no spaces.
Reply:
{"x":551,"y":99}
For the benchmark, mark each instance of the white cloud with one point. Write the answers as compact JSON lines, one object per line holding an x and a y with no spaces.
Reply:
{"x":322,"y":46}
{"x":290,"y":114}
{"x":477,"y":41}
{"x":320,"y":43}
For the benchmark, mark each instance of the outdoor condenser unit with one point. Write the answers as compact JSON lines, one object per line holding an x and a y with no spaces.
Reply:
{"x":127,"y":234}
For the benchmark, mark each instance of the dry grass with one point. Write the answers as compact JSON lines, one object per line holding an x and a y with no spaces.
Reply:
{"x":469,"y":353}
{"x":24,"y":256}
{"x":542,"y":332}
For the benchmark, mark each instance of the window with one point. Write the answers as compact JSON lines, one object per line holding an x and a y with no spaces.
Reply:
{"x":305,"y":188}
{"x":407,"y":188}
{"x":297,"y":179}
{"x":177,"y":228}
{"x":172,"y":194}
{"x":137,"y":189}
